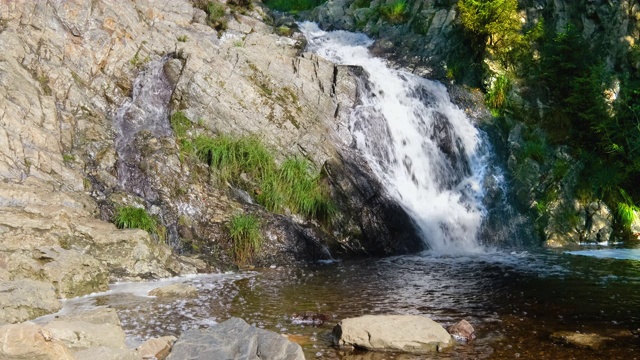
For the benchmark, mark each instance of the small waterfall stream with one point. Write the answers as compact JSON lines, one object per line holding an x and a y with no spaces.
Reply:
{"x":423,"y":148}
{"x":147,"y":110}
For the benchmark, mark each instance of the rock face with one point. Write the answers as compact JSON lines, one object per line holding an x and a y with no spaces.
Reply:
{"x":405,"y":333}
{"x":234,"y":339}
{"x":69,"y":68}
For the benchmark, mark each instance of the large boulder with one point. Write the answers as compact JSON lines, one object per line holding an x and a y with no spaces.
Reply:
{"x":234,"y":339}
{"x":158,"y":348}
{"x":403,"y":333}
{"x":26,"y":299}
{"x":93,"y":329}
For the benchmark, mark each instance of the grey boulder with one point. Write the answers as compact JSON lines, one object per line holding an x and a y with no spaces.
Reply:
{"x":234,"y":339}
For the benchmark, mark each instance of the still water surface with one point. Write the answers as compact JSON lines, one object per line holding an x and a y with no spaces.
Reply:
{"x":514,"y":300}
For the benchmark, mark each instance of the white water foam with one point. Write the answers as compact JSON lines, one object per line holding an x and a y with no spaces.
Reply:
{"x":423,"y":148}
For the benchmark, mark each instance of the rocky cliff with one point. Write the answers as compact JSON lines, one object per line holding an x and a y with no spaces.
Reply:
{"x":69,"y":76}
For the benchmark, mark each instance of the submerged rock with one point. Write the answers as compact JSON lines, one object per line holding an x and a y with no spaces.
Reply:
{"x":175,"y":290}
{"x":309,"y":317}
{"x":592,"y":341}
{"x":405,"y":333}
{"x":234,"y":339}
{"x":462,"y":331}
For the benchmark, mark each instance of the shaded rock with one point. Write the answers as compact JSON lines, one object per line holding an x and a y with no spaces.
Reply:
{"x":175,"y":290}
{"x":404,"y":333}
{"x":28,"y":341}
{"x":462,"y":331}
{"x":26,"y":299}
{"x":156,"y":348}
{"x":592,"y":341}
{"x":234,"y":339}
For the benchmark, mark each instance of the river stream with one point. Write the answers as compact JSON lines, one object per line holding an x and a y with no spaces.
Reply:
{"x":514,"y":300}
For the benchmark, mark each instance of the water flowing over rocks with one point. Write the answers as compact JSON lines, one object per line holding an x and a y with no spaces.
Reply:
{"x":234,"y":339}
{"x":404,"y":333}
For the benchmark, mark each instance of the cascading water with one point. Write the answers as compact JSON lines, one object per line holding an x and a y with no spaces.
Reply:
{"x":423,"y":148}
{"x":147,"y":110}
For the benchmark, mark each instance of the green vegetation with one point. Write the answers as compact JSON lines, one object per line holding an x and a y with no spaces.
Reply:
{"x":135,"y":218}
{"x":183,"y":38}
{"x":395,"y":12}
{"x":569,"y":76}
{"x":216,"y":16}
{"x":244,"y":231}
{"x":180,"y":124}
{"x":68,"y":158}
{"x":293,"y":185}
{"x":293,"y":5}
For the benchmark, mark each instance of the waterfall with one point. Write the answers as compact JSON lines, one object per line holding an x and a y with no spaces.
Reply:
{"x":423,"y":148}
{"x":147,"y":110}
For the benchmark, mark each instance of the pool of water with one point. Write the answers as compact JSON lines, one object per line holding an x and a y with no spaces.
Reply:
{"x":515,"y":300}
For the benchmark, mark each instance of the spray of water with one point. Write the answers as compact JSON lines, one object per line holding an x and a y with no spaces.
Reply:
{"x":423,"y":148}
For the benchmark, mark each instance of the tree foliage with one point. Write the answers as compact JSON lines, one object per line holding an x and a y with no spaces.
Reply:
{"x":495,"y":21}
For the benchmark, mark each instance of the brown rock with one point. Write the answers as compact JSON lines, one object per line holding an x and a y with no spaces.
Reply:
{"x":156,"y":348}
{"x":462,"y":331}
{"x":28,"y":341}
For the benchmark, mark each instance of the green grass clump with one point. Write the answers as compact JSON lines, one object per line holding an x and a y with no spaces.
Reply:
{"x":394,"y":12}
{"x":180,"y":124}
{"x":293,"y":185}
{"x":234,"y":156}
{"x":216,"y":16}
{"x":497,"y":97}
{"x":129,"y":217}
{"x":293,"y":5}
{"x":244,"y":231}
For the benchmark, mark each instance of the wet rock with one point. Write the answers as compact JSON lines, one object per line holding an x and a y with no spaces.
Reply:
{"x":462,"y":331}
{"x":599,"y":223}
{"x":592,"y":341}
{"x":175,"y":290}
{"x":94,"y":329}
{"x":156,"y":348}
{"x":404,"y":333}
{"x":234,"y":339}
{"x":309,"y":318}
{"x":26,"y":299}
{"x":28,"y":341}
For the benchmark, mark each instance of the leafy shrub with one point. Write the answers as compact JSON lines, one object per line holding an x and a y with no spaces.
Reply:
{"x":135,"y":218}
{"x":244,"y":231}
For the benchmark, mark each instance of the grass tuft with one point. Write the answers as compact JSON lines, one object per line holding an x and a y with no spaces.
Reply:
{"x":293,"y":6}
{"x":244,"y":231}
{"x":135,"y":218}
